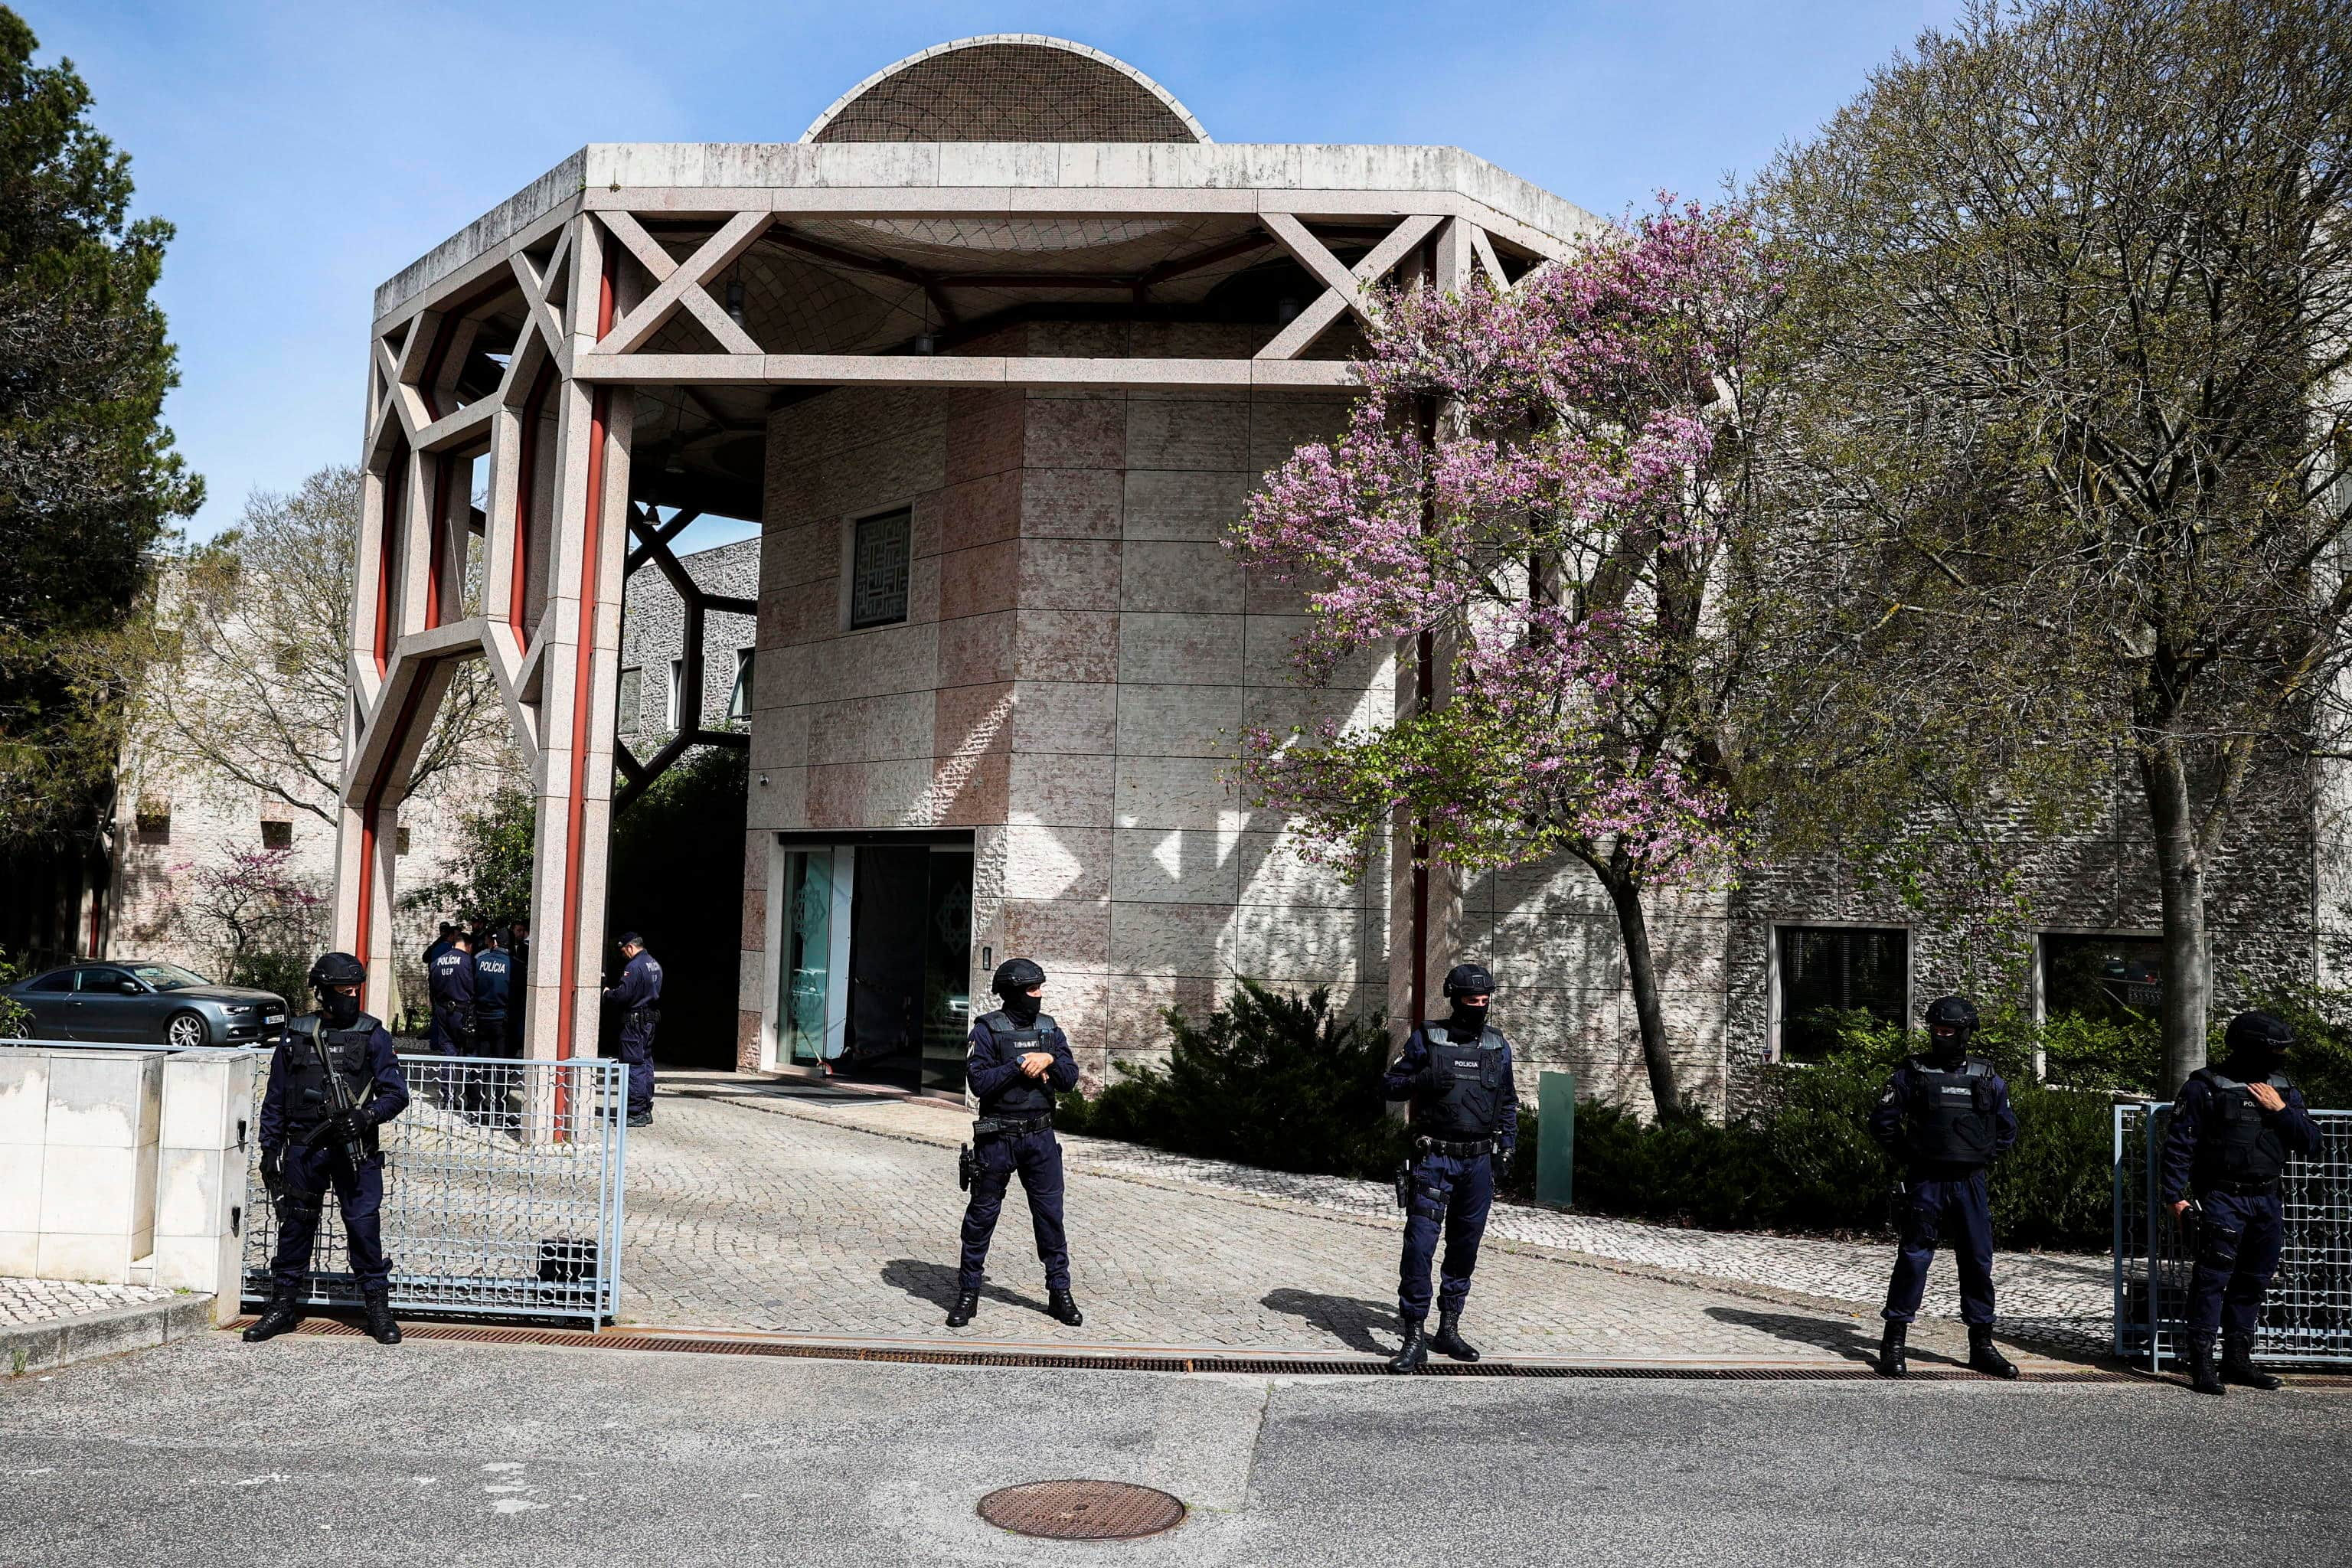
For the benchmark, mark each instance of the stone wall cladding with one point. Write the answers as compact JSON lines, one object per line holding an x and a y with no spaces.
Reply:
{"x":652,"y":633}
{"x":2262,"y":906}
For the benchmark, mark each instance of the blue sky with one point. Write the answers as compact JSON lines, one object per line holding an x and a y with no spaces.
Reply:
{"x":308,"y":151}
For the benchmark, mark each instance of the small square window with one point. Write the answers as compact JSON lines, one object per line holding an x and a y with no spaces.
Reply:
{"x":277,"y":836}
{"x":154,"y":822}
{"x":1826,"y":969}
{"x":632,"y":687}
{"x":400,"y":841}
{"x":878,"y":568}
{"x":2110,"y":979}
{"x":739,"y":700}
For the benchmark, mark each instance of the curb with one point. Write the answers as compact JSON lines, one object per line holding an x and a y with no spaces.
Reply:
{"x":43,"y":1347}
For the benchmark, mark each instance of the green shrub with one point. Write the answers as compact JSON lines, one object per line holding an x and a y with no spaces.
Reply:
{"x":1276,"y":1081}
{"x":2321,"y":1062}
{"x":281,"y":970}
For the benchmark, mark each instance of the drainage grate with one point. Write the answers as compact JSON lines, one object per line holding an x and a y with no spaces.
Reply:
{"x":1082,"y":1511}
{"x":1247,"y":1365}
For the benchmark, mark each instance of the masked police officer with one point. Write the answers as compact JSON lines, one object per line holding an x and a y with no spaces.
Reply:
{"x":2231,"y":1131}
{"x":1017,"y":1059}
{"x":307,"y":1143}
{"x":637,"y":998}
{"x":1945,"y":1116}
{"x":1456,"y":1072}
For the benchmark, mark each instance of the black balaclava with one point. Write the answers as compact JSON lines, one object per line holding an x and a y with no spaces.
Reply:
{"x":342,"y":1008}
{"x":1022,"y":1008}
{"x":2258,"y":1044}
{"x":1951,"y":1025}
{"x":1467,"y":980}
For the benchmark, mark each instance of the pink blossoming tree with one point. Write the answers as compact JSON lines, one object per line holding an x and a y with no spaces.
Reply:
{"x":1532,"y":498}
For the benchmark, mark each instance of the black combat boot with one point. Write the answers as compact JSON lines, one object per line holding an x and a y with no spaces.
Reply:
{"x":2237,"y":1363}
{"x":281,"y":1316}
{"x":2203,"y":1376}
{"x":1984,"y":1356}
{"x":1063,"y":1308}
{"x":967,"y":1303}
{"x":1892,"y":1360}
{"x":1415,"y":1352}
{"x":380,"y":1326}
{"x":1448,"y":1339}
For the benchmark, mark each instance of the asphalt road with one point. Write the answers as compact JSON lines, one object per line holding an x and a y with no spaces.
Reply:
{"x":339,"y":1451}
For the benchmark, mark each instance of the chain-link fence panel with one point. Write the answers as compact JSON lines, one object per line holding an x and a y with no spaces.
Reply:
{"x":502,"y":1195}
{"x":2307,"y":1315}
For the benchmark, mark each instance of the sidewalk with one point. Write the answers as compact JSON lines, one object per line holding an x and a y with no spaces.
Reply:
{"x":730,"y":1226}
{"x":49,"y":1323}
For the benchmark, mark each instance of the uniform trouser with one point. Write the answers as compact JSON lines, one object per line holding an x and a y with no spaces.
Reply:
{"x":359,"y":1194}
{"x":495,"y":1082}
{"x":1454,"y":1193}
{"x":1958,"y":1211}
{"x":463,"y":1088}
{"x":1037,"y":1156}
{"x":2238,"y":1242}
{"x":637,"y":1050}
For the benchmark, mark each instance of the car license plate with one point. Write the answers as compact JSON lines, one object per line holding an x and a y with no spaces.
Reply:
{"x":273,"y":1018}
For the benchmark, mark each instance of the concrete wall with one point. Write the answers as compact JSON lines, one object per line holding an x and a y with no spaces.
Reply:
{"x":125,"y":1168}
{"x":652,"y":633}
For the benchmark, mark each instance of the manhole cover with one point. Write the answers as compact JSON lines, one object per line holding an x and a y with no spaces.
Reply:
{"x":1082,"y":1511}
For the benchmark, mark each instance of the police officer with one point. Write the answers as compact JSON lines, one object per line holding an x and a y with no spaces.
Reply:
{"x":519,"y":945}
{"x":1456,"y":1072}
{"x":436,"y":1042}
{"x":638,"y":999}
{"x":304,"y":1140}
{"x":451,"y":982}
{"x":1945,"y":1116}
{"x":1016,"y":1060}
{"x":493,"y":985}
{"x":2231,"y":1131}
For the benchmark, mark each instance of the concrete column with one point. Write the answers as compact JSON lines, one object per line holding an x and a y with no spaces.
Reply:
{"x":209,"y":1102}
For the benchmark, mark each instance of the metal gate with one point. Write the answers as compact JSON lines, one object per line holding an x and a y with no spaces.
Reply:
{"x":2308,"y":1314}
{"x":501,"y":1193}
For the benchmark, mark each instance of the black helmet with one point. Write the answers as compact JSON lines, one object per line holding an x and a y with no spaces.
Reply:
{"x":2259,"y":1034}
{"x":1469,"y":980}
{"x":1014,"y":976}
{"x":337,"y":969}
{"x":1955,"y":1012}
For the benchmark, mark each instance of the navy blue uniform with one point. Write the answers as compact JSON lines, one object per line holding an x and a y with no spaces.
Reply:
{"x":1469,"y":1098}
{"x":294,"y":1109}
{"x":452,"y":978}
{"x":639,"y":997}
{"x":1946,"y":1126}
{"x":493,"y":985}
{"x":435,"y":1042}
{"x":992,"y":1069}
{"x":2226,"y":1151}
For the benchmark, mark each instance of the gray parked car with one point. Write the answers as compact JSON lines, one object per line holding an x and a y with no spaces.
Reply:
{"x":147,"y":1004}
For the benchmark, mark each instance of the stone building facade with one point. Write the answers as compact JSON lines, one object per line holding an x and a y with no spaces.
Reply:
{"x":992,"y":355}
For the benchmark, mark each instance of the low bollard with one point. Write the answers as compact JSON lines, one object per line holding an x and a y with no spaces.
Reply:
{"x":1556,"y":1139}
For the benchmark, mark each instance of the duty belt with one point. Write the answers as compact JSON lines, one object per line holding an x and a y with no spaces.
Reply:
{"x":1011,"y":1126}
{"x":1469,"y":1151}
{"x":2241,"y":1189}
{"x":642,"y":1016}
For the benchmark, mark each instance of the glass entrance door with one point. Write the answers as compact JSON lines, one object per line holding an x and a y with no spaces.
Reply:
{"x":875,"y":983}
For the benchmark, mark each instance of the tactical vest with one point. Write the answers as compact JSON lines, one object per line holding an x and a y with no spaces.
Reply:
{"x":1466,"y":1099}
{"x":1951,"y":1113}
{"x":2237,"y":1144}
{"x":308,"y":1102}
{"x":1025,"y":1096}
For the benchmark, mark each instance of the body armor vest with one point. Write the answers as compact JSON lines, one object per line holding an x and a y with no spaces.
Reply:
{"x":1025,"y":1096}
{"x":1951,"y":1113}
{"x":1466,"y":1096}
{"x":308,"y":1102}
{"x":2239,"y":1145}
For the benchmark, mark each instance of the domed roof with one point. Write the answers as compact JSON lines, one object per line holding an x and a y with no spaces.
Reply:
{"x":1007,"y":86}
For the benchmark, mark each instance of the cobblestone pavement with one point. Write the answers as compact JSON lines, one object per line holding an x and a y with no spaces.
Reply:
{"x":24,"y":1303}
{"x":752,"y":1207}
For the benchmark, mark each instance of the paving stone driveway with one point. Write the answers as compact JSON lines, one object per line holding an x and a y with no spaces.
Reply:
{"x":753,"y":1208}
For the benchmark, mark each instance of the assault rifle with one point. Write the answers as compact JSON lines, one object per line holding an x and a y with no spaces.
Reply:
{"x":353,"y":1148}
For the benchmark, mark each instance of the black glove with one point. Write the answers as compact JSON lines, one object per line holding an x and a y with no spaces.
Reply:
{"x":347,"y":1126}
{"x":273,"y":1170}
